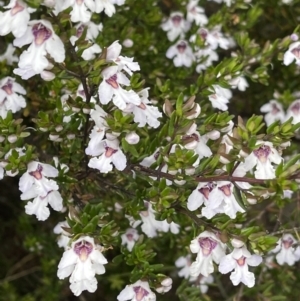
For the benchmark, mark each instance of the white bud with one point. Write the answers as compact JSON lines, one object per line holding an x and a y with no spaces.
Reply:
{"x":86,"y":110}
{"x":236,"y":243}
{"x":43,"y":129}
{"x":213,"y":135}
{"x":167,"y":282}
{"x":12,"y":173}
{"x":294,"y":37}
{"x":71,"y":136}
{"x":75,"y":109}
{"x":132,"y":138}
{"x":47,"y":75}
{"x":55,"y":137}
{"x":12,"y":138}
{"x":127,"y":43}
{"x":2,"y":138}
{"x":59,"y":128}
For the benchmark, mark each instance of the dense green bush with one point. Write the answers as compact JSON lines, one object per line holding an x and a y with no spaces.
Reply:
{"x":150,"y":147}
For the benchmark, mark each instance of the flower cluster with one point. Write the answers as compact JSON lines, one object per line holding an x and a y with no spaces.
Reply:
{"x":35,"y":184}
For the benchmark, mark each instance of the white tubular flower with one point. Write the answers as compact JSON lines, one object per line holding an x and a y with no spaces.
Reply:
{"x":262,"y":158}
{"x":208,"y":248}
{"x":109,"y":152}
{"x":230,"y":206}
{"x":220,"y":97}
{"x":150,"y":225}
{"x":294,"y":111}
{"x":82,"y":261}
{"x":91,"y":34}
{"x":124,"y":63}
{"x":63,"y":239}
{"x":139,"y":291}
{"x":39,"y":205}
{"x":107,"y":6}
{"x":35,"y":180}
{"x":176,"y":26}
{"x":129,"y":238}
{"x":182,"y":54}
{"x":15,"y":19}
{"x":184,"y":263}
{"x":9,"y":56}
{"x":239,"y":83}
{"x":292,"y":54}
{"x":98,"y":131}
{"x":285,"y":250}
{"x":9,"y":96}
{"x":215,"y":39}
{"x":274,"y":112}
{"x":206,"y":57}
{"x":196,"y":13}
{"x":43,"y":41}
{"x":110,"y":89}
{"x":198,"y":145}
{"x":207,"y":194}
{"x":239,"y":260}
{"x":203,"y":283}
{"x":145,"y":112}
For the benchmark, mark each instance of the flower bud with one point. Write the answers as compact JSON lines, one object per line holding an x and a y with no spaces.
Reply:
{"x":12,"y":138}
{"x":127,"y":43}
{"x":86,"y":110}
{"x":213,"y":135}
{"x":237,"y":243}
{"x":71,"y":136}
{"x":132,"y":138}
{"x":55,"y":137}
{"x":59,"y":128}
{"x":2,"y":138}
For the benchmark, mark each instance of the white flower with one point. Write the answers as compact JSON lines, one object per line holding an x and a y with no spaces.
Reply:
{"x":15,"y":19}
{"x":182,"y":54}
{"x":196,"y":13}
{"x":110,"y":89}
{"x":274,"y":112}
{"x":107,"y":6}
{"x":139,"y":291}
{"x":208,"y":248}
{"x":207,"y":194}
{"x":145,"y":112}
{"x":239,"y":260}
{"x":220,"y":98}
{"x":262,"y":158}
{"x":203,"y":283}
{"x":294,"y":111}
{"x":285,"y":250}
{"x":63,"y":239}
{"x":184,"y":263}
{"x":82,"y":261}
{"x":108,"y":152}
{"x":35,"y":180}
{"x":205,"y":57}
{"x":9,"y":96}
{"x":230,"y":205}
{"x":39,"y":205}
{"x":9,"y":56}
{"x":43,"y":41}
{"x":214,"y":38}
{"x":124,"y":63}
{"x":166,"y":286}
{"x":98,"y":131}
{"x":91,"y":34}
{"x":239,"y":82}
{"x":292,"y":54}
{"x":176,"y":26}
{"x":129,"y":238}
{"x":198,"y":144}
